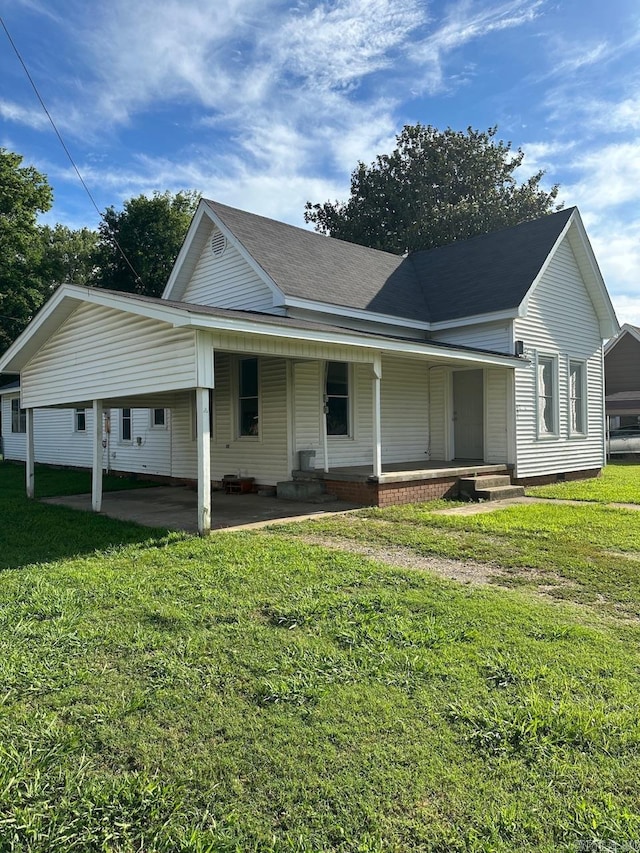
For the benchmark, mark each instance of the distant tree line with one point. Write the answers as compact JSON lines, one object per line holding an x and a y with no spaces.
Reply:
{"x":35,"y":259}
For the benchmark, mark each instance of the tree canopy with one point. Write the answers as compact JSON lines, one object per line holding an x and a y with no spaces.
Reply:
{"x":24,"y":193}
{"x":150,"y":231}
{"x":434,"y":188}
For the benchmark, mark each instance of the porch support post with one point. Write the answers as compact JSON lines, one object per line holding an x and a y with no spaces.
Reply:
{"x":96,"y":479}
{"x":204,"y":461}
{"x":323,"y":419}
{"x":30,"y":466}
{"x":377,"y":427}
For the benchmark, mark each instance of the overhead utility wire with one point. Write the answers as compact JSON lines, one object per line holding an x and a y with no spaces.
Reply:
{"x":66,"y":150}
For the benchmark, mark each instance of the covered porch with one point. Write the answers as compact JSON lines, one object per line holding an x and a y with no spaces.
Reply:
{"x":248,"y":392}
{"x":406,"y":482}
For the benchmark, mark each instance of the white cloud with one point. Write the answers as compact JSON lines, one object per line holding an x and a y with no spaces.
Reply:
{"x":462,"y":25}
{"x":610,"y":176}
{"x":34,"y":118}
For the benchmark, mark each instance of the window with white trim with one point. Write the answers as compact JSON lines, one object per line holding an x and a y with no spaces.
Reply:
{"x":18,"y":416}
{"x":248,"y":397}
{"x":577,"y":397}
{"x":80,"y":420}
{"x":337,"y":398}
{"x":125,"y":424}
{"x":547,"y":382}
{"x":158,"y":418}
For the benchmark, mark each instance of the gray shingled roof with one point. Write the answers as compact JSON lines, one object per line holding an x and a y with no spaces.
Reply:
{"x":309,"y":265}
{"x":492,"y":272}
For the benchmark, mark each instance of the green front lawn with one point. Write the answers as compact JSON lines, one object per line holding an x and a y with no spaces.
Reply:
{"x":619,"y":483}
{"x":252,"y":692}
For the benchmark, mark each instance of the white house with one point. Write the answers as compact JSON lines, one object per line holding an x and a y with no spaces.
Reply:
{"x":401,"y":374}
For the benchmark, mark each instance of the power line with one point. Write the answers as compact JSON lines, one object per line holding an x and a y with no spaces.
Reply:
{"x":67,"y":152}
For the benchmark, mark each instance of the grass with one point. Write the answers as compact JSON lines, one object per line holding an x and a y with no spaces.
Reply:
{"x":619,"y":483}
{"x":251,"y":692}
{"x":585,"y":554}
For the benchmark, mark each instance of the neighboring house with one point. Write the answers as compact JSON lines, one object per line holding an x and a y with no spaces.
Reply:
{"x":269,"y":340}
{"x":622,"y":378}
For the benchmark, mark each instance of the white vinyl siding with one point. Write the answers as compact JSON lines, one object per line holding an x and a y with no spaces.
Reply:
{"x":227,"y":282}
{"x":101,"y":352}
{"x":560,"y":321}
{"x":405,"y":410}
{"x":440,"y":417}
{"x":307,"y":406}
{"x":495,"y":336}
{"x":266,"y":458}
{"x":496,"y":430}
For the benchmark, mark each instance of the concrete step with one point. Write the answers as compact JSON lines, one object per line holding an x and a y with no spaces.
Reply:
{"x":306,"y":475}
{"x":469,"y":486}
{"x":300,"y":490}
{"x":499,"y":493}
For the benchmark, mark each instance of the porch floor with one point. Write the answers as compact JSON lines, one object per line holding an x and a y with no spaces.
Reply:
{"x":176,"y":508}
{"x":404,"y":472}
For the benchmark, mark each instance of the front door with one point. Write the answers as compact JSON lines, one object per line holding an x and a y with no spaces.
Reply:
{"x":468,"y":414}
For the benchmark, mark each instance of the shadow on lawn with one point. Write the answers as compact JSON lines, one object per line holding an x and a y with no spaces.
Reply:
{"x":32,"y":532}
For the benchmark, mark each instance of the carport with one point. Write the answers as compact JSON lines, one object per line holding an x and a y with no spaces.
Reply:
{"x":175,"y":508}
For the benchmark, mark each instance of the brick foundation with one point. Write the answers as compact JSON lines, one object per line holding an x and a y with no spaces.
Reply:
{"x":388,"y":494}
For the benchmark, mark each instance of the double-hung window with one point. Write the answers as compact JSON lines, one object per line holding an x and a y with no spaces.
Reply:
{"x":248,"y":397}
{"x":125,"y":424}
{"x":577,"y":398}
{"x":547,"y":392}
{"x":337,"y":398}
{"x":80,"y":420}
{"x":18,"y":416}
{"x":158,"y":418}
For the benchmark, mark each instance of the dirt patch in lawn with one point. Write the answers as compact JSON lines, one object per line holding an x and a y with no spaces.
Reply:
{"x":466,"y":571}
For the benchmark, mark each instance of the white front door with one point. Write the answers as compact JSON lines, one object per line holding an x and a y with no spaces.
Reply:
{"x":468,"y":415}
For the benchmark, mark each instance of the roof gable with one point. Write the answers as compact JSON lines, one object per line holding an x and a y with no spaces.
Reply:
{"x":311,"y":266}
{"x":625,"y":330}
{"x":489,"y":275}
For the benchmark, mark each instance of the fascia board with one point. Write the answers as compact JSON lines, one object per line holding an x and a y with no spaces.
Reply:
{"x":355,"y":340}
{"x":475,"y":319}
{"x":185,"y":249}
{"x":524,"y":305}
{"x":10,"y":361}
{"x":62,"y":304}
{"x":609,"y":325}
{"x":355,"y":313}
{"x":625,"y":329}
{"x":607,"y":318}
{"x":363,"y":314}
{"x":278,"y":295}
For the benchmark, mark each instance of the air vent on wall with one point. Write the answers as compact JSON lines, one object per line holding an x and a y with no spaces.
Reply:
{"x":218,"y":244}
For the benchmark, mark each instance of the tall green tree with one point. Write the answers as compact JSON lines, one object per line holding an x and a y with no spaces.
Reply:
{"x":150,"y":231}
{"x":435,"y":187}
{"x":68,"y":256}
{"x":24,"y":193}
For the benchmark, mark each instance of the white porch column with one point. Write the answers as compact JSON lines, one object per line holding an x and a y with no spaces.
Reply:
{"x":96,"y":479}
{"x":204,"y":461}
{"x":30,"y":467}
{"x":377,"y":417}
{"x":323,"y":418}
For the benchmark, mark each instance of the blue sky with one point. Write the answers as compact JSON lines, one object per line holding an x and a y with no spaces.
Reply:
{"x":265,"y":104}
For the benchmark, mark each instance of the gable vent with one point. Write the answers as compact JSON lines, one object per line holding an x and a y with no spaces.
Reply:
{"x":218,"y":244}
